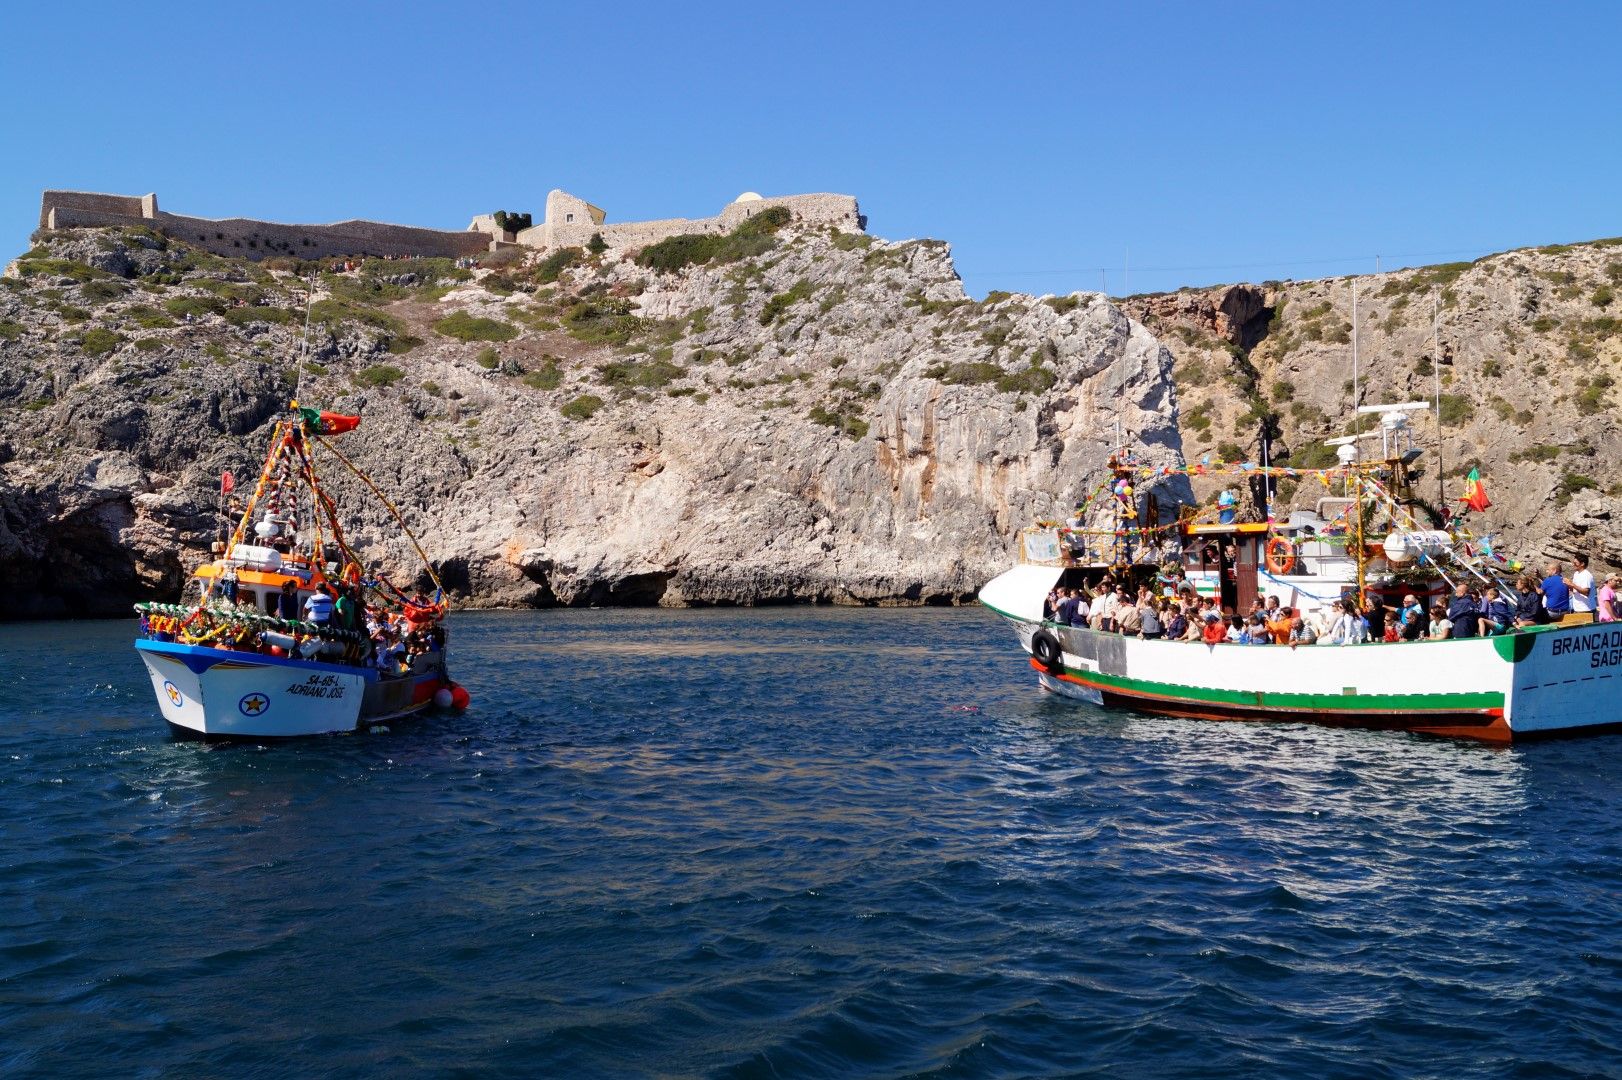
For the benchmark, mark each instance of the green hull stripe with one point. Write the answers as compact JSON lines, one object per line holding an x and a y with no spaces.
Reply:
{"x":1340,"y":703}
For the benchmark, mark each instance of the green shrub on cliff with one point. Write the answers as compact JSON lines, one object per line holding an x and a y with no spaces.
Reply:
{"x":583,"y":407}
{"x":602,"y":321}
{"x":148,"y":318}
{"x":465,"y":327}
{"x":35,"y":264}
{"x":553,"y":266}
{"x":651,"y":375}
{"x":378,"y":375}
{"x":778,"y":305}
{"x":1456,"y":409}
{"x":839,"y":420}
{"x":99,"y":342}
{"x":549,"y":376}
{"x":1034,"y":379}
{"x":195,"y":306}
{"x":99,"y":292}
{"x":965,"y":373}
{"x":753,"y":236}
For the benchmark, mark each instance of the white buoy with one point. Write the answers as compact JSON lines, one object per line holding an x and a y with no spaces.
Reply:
{"x":442,"y":697}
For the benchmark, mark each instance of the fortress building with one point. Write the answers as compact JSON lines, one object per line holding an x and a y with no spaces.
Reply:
{"x":569,"y":222}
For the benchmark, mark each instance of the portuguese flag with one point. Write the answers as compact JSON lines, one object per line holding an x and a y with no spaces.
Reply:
{"x":1475,"y":492}
{"x":328,"y":423}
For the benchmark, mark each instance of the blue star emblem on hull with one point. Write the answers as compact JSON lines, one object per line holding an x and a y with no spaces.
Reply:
{"x":253,"y":704}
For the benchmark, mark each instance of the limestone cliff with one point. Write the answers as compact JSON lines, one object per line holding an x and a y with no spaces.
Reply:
{"x":787,"y":413}
{"x":1528,"y":361}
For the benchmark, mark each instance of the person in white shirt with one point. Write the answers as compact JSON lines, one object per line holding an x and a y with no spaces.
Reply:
{"x":1582,"y":587}
{"x":1096,"y":610}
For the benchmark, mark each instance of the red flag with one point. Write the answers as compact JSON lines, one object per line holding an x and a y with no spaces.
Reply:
{"x":336,"y":423}
{"x":228,"y":483}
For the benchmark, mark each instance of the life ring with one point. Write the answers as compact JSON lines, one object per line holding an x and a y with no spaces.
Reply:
{"x":1280,"y":555}
{"x":1045,"y":647}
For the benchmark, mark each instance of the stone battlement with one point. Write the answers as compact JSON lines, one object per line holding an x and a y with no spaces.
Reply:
{"x":569,"y":222}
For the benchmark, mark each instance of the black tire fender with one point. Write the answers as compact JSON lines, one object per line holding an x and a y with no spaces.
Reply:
{"x":1045,"y":647}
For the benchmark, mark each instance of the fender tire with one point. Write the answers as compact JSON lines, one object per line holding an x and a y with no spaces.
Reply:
{"x":1045,"y":647}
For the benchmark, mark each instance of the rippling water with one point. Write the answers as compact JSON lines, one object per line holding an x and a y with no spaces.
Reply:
{"x":786,"y":843}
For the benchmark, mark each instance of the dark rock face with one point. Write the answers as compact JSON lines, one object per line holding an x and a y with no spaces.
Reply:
{"x":825,"y":418}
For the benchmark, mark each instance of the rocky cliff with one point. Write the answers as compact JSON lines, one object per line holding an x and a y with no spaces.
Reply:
{"x":784,"y":413}
{"x":1528,"y":358}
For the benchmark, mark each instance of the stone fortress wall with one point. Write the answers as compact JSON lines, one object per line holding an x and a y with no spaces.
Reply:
{"x":246,"y":238}
{"x":569,"y":222}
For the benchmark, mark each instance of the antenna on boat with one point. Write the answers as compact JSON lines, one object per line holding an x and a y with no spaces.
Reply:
{"x":1393,"y":424}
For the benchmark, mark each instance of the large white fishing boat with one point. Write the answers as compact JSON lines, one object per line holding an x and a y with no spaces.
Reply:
{"x":269,"y":648}
{"x":1540,"y":681}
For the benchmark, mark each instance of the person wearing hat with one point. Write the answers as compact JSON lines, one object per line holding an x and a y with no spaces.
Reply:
{"x":318,"y":608}
{"x":1214,"y":633}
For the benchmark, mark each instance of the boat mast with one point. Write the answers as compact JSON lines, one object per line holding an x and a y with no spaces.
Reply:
{"x":1357,"y":477}
{"x":1436,"y":347}
{"x":1357,"y":419}
{"x":1357,"y":538}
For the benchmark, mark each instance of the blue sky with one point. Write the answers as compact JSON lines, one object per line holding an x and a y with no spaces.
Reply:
{"x":1191,"y":142}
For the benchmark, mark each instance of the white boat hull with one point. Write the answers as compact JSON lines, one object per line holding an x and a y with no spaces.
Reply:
{"x":219,"y":693}
{"x":1554,"y":680}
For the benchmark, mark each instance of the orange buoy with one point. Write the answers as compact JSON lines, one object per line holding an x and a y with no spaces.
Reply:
{"x":1280,"y":555}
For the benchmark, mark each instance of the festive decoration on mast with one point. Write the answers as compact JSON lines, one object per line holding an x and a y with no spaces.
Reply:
{"x":1475,"y":492}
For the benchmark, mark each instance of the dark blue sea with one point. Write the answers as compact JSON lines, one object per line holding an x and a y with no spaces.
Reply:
{"x":786,"y":843}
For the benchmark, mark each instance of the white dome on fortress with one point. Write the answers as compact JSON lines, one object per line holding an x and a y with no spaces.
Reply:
{"x":748,"y":196}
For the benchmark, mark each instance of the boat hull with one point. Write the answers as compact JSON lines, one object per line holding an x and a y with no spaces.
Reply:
{"x":224,"y":694}
{"x":1552,"y":681}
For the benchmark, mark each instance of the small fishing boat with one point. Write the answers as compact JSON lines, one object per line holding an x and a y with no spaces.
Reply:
{"x":1367,"y":546}
{"x":286,"y":634}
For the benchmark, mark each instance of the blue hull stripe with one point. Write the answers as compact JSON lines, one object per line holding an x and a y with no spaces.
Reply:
{"x":200,"y":658}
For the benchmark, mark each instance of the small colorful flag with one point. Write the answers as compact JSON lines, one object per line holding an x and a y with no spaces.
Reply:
{"x":1475,"y":492}
{"x":228,"y":483}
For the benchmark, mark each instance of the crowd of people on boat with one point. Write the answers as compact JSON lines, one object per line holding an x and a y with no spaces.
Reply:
{"x":1180,"y":614}
{"x":387,"y":640}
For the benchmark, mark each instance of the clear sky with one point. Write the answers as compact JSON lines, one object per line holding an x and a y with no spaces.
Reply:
{"x":1190,"y":142}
